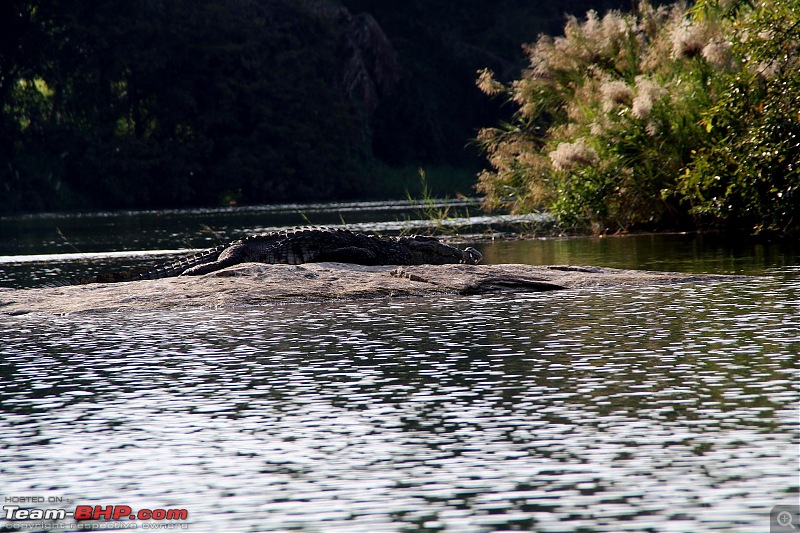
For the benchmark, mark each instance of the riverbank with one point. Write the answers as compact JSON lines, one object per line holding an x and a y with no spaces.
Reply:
{"x":253,"y":284}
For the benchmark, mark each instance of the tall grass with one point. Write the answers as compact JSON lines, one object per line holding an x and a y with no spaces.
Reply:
{"x":616,"y":125}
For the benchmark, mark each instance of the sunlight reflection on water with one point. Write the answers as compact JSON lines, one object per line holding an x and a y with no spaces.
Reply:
{"x":661,"y":408}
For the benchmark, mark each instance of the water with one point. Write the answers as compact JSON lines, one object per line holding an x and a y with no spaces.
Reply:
{"x":670,"y":408}
{"x":38,"y":249}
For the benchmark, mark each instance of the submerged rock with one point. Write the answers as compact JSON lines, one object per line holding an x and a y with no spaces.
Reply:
{"x":259,"y":284}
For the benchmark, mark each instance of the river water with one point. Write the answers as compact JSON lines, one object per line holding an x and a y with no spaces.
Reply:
{"x":669,"y":408}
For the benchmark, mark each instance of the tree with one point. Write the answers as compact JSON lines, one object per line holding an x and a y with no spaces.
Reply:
{"x":170,"y":103}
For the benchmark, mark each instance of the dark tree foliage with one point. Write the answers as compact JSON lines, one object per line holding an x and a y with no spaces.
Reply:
{"x":179,"y":102}
{"x":435,"y":110}
{"x":155,"y":103}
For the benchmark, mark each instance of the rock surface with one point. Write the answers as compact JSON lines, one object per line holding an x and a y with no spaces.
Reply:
{"x":258,"y":284}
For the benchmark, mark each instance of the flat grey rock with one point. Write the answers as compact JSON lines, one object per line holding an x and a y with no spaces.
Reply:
{"x":260,"y":284}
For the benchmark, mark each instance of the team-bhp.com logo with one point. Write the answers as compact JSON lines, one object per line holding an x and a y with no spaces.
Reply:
{"x":118,"y":512}
{"x":172,"y":517}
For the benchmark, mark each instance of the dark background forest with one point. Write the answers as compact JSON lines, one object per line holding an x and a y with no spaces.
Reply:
{"x":172,"y":103}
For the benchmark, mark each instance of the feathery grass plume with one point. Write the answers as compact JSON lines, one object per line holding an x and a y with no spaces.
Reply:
{"x":718,"y":53}
{"x":586,"y":100}
{"x":570,"y":156}
{"x":612,"y":114}
{"x":613,"y":41}
{"x":648,"y":91}
{"x":659,"y":24}
{"x":488,"y":84}
{"x":616,"y":93}
{"x":688,"y":40}
{"x":701,"y":36}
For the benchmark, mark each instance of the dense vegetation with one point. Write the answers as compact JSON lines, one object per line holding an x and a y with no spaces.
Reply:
{"x":668,"y":117}
{"x":178,"y":102}
{"x":107,"y":104}
{"x":665,"y":117}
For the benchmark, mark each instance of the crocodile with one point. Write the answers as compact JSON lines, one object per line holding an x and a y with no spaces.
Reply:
{"x":303,"y":245}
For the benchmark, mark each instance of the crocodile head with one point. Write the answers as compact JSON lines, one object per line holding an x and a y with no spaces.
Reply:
{"x":429,"y":250}
{"x":473,"y":256}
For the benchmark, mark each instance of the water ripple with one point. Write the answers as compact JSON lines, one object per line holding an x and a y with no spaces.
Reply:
{"x":661,"y":409}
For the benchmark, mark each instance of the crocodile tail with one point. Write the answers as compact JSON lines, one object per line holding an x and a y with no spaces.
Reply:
{"x":168,"y":270}
{"x":109,"y":277}
{"x":176,"y":268}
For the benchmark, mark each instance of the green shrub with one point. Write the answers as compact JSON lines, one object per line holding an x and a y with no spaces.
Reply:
{"x":749,"y":176}
{"x":622,"y":119}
